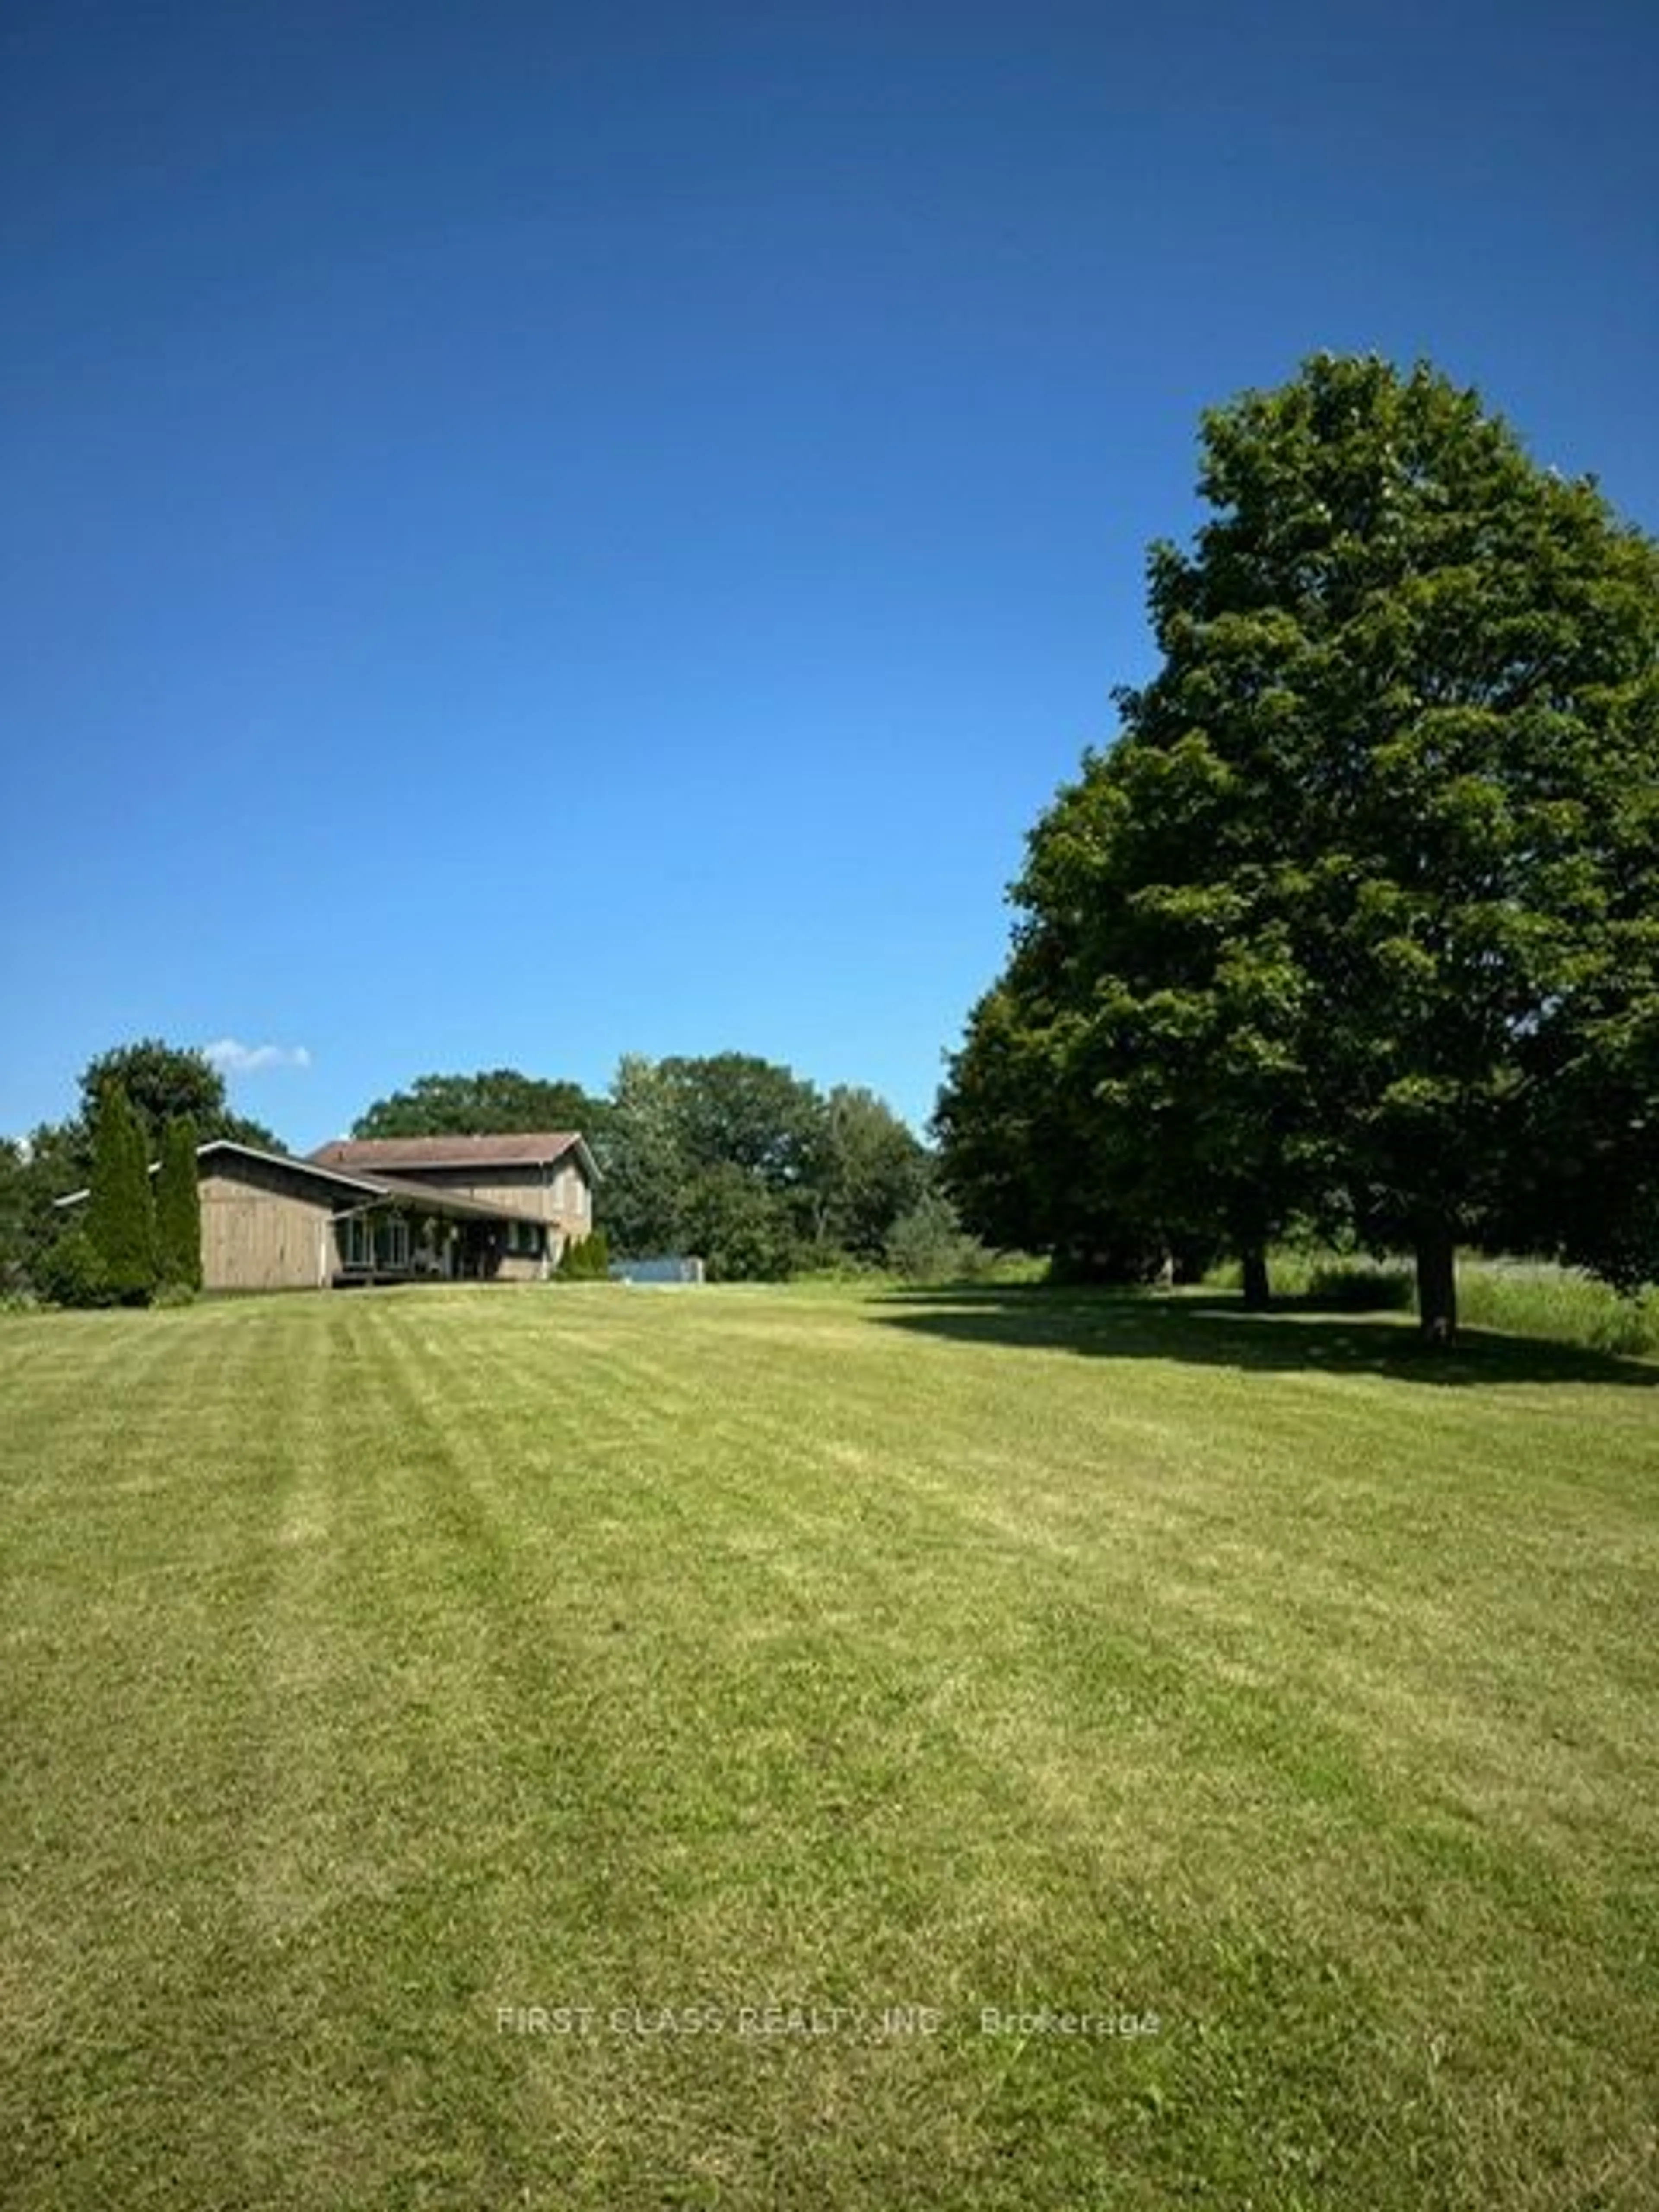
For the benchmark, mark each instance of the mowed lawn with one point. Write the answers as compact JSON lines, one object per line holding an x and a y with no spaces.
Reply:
{"x":582,"y":1748}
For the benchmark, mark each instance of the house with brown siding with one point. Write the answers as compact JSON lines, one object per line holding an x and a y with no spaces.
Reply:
{"x":546,"y":1177}
{"x":493,"y":1209}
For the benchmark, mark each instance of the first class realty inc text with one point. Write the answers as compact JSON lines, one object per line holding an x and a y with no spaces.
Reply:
{"x":856,"y":2023}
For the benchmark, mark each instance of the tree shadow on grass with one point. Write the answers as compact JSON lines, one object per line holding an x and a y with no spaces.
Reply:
{"x":1213,"y":1331}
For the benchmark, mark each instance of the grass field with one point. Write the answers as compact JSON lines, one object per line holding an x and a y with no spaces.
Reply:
{"x":772,"y":1683}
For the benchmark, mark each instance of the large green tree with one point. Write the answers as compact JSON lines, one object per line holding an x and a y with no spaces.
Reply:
{"x":713,"y":1155}
{"x":866,"y":1169}
{"x":643,"y":1161}
{"x":1357,"y":916}
{"x":741,"y":1161}
{"x":496,"y":1102}
{"x":167,"y":1083}
{"x":1128,"y":1095}
{"x":736,"y":1109}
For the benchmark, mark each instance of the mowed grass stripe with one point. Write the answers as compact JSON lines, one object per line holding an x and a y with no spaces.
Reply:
{"x":617,"y":1731}
{"x":681,"y":1872}
{"x":615,"y":1648}
{"x":138,"y":1585}
{"x":673,"y":1842}
{"x":372,"y":1869}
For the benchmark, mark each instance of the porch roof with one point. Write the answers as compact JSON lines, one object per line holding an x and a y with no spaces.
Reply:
{"x":422,"y":1198}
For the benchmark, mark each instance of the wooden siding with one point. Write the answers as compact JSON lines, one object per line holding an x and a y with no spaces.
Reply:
{"x":573,"y":1197}
{"x":554,"y":1194}
{"x":268,"y":1225}
{"x":260,"y":1231}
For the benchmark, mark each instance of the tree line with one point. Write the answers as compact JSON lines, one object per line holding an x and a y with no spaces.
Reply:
{"x":1354,"y":927}
{"x":139,"y":1237}
{"x":136,"y":1235}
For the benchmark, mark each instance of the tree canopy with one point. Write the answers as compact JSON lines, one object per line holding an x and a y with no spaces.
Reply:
{"x":1357,"y":920}
{"x":15,"y":1208}
{"x":494,"y":1102}
{"x":741,"y":1161}
{"x":167,"y":1083}
{"x":867,"y":1171}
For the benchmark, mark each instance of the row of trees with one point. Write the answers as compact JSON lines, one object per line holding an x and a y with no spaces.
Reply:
{"x":1356,"y":925}
{"x":137,"y":1234}
{"x":743,"y":1162}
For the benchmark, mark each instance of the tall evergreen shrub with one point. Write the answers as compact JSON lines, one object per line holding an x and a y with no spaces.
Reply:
{"x":120,"y":1219}
{"x":179,"y":1210}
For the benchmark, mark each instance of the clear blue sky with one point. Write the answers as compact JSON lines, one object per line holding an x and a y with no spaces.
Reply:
{"x":531,"y":533}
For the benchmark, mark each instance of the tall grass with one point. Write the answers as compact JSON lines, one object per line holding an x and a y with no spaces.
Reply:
{"x":1515,"y":1298}
{"x":1534,"y":1298}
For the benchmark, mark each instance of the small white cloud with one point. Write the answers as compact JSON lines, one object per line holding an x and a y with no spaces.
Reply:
{"x":232,"y":1057}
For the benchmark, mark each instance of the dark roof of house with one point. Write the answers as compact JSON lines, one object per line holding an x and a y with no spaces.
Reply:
{"x":539,"y":1149}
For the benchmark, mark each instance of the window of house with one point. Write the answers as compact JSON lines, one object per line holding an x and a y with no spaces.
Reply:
{"x":392,"y":1241}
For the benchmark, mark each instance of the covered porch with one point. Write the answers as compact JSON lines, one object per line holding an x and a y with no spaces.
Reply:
{"x":423,"y":1236}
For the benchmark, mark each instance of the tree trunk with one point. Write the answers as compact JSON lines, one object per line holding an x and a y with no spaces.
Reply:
{"x":1437,"y":1282}
{"x":1257,"y":1293}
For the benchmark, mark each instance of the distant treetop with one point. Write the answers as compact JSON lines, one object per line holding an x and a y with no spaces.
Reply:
{"x":494,"y":1102}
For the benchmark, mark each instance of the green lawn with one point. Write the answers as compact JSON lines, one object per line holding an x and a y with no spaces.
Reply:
{"x":380,"y":1668}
